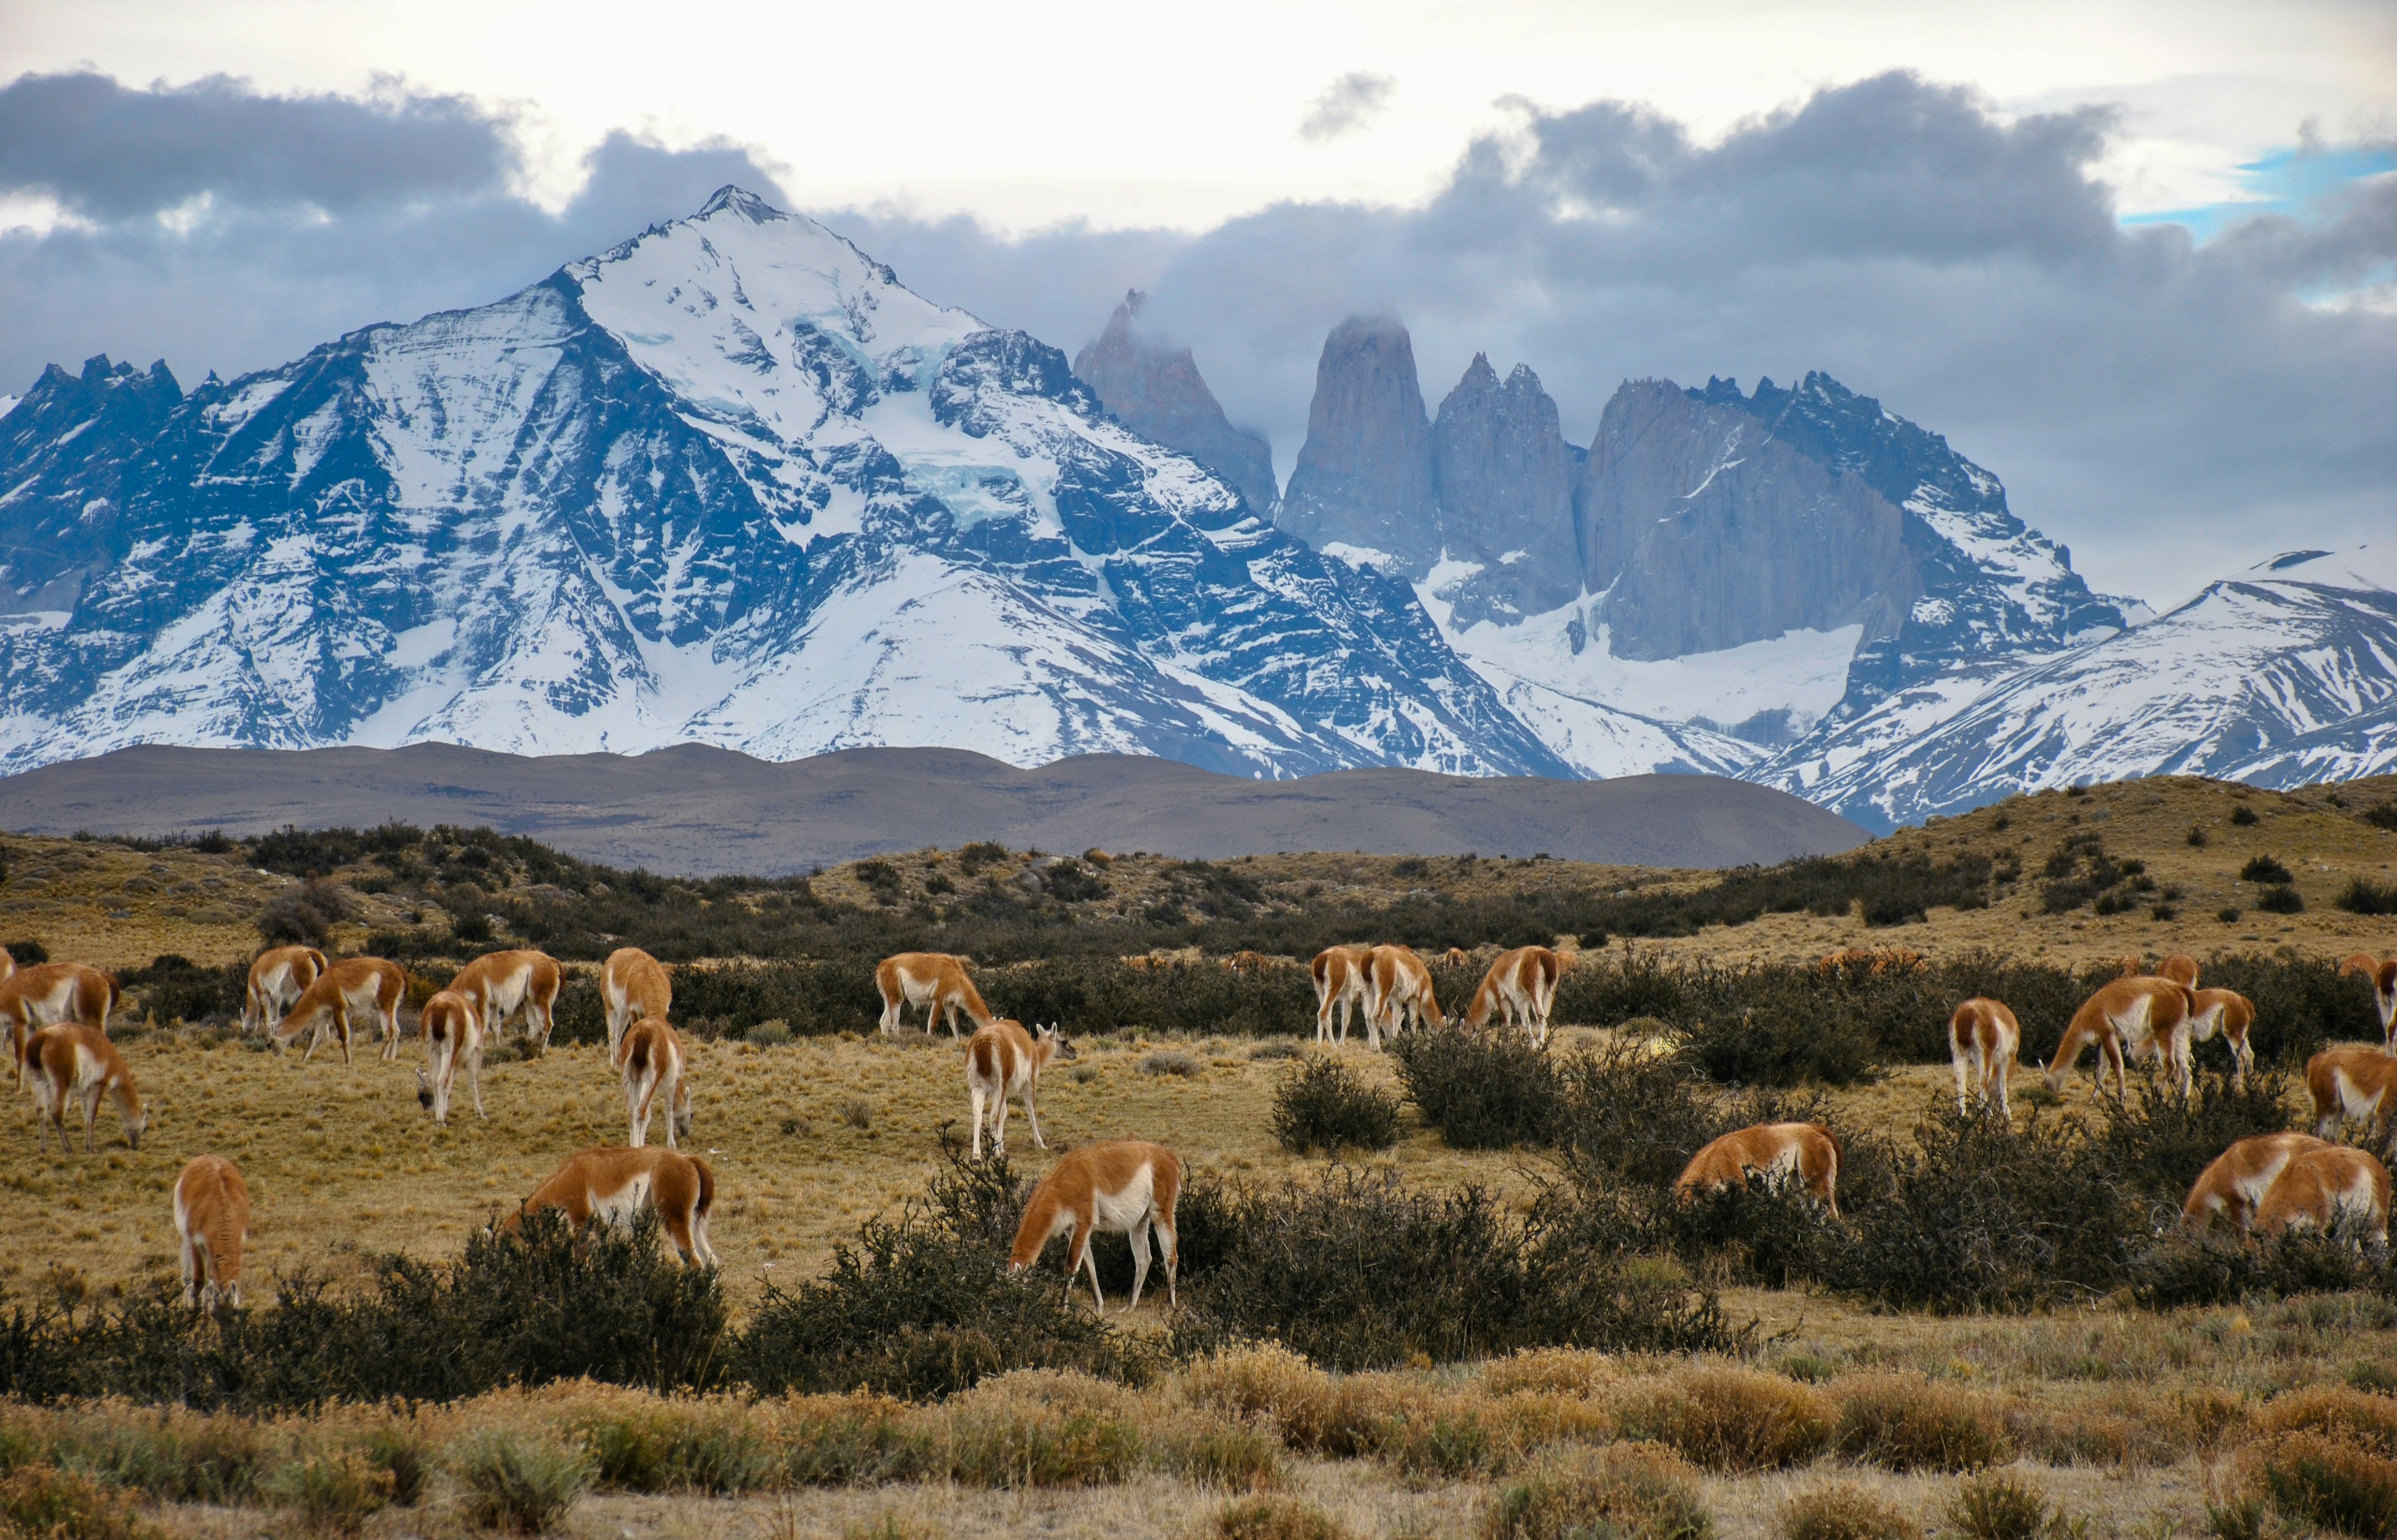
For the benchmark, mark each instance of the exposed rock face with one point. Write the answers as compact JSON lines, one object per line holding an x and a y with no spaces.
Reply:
{"x":1364,"y":476}
{"x":1156,"y":391}
{"x":1705,"y":530}
{"x":1504,"y":480}
{"x":65,"y":452}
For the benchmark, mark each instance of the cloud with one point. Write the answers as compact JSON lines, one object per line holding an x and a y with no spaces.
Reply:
{"x":1351,"y":102}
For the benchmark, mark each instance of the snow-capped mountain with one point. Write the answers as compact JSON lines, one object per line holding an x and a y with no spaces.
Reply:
{"x":2284,"y":676}
{"x":732,"y":483}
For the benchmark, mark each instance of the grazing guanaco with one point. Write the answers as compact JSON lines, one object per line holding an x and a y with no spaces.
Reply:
{"x":1339,"y":976}
{"x":330,"y":1008}
{"x":506,"y":983}
{"x":453,"y":1033}
{"x":614,"y":1185}
{"x":936,"y":982}
{"x":1805,"y":1153}
{"x":2320,"y":1188}
{"x":212,"y":1221}
{"x":1983,"y":1039}
{"x":2134,"y":1016}
{"x":278,"y":979}
{"x":1247,"y":964}
{"x":650,"y":1057}
{"x":1456,"y":957}
{"x":1397,"y":986}
{"x":1521,"y":985}
{"x":2230,"y":1013}
{"x":77,"y":1062}
{"x":2234,"y":1184}
{"x":2352,"y":1083}
{"x":1127,"y":1186}
{"x":49,"y":994}
{"x":2180,"y":968}
{"x":633,"y":984}
{"x":2380,"y":975}
{"x":1003,"y":1060}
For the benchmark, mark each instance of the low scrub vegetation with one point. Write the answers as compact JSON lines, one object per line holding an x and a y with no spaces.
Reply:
{"x":1323,"y":1104}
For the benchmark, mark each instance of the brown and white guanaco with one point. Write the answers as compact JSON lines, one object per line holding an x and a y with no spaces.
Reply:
{"x":2352,"y":1083}
{"x":650,"y":1057}
{"x":213,"y":1222}
{"x":350,"y":992}
{"x":1339,"y":976}
{"x":454,"y":1035}
{"x":936,"y":981}
{"x":77,"y":1064}
{"x":2230,"y":1013}
{"x":506,"y":983}
{"x":1983,"y":1040}
{"x":613,"y":1185}
{"x":1126,"y":1186}
{"x":1397,"y":988}
{"x":633,"y":984}
{"x":1521,"y":985}
{"x":2130,"y":1017}
{"x":278,"y":979}
{"x":1806,"y":1154}
{"x":2320,"y":1188}
{"x":49,"y":994}
{"x":2233,"y":1185}
{"x":1003,"y":1060}
{"x":2380,"y":974}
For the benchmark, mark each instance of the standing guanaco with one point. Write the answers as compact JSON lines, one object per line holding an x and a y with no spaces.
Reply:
{"x":650,"y":1057}
{"x":1339,"y":976}
{"x":2380,"y":974}
{"x":933,"y":980}
{"x":2234,"y":1183}
{"x":2320,"y":1187}
{"x":1003,"y":1060}
{"x":330,"y":1008}
{"x":75,"y":1063}
{"x":276,"y":979}
{"x":49,"y":994}
{"x":1127,"y":1186}
{"x":1397,"y":986}
{"x":2131,"y":1016}
{"x":1983,"y":1038}
{"x":453,"y":1033}
{"x":633,"y":984}
{"x":504,"y":983}
{"x":1806,"y":1153}
{"x":614,"y":1186}
{"x":213,"y":1222}
{"x":2352,"y":1083}
{"x":1521,"y":985}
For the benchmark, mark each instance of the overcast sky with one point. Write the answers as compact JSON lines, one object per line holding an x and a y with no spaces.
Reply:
{"x":2140,"y":260}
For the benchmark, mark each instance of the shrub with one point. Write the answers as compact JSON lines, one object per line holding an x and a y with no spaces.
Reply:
{"x":1909,"y":1423}
{"x":1269,"y":1517}
{"x":1732,"y":1420}
{"x":519,"y":1482}
{"x":1637,"y":1492}
{"x":2360,"y":897}
{"x":2197,"y":835}
{"x":1842,"y":1510}
{"x":2317,"y":1480}
{"x":304,"y":916}
{"x":1997,"y":1506}
{"x":638,"y":1444}
{"x":2264,"y":868}
{"x":2366,"y":1420}
{"x":174,"y":988}
{"x":2243,"y":815}
{"x":1325,"y":1106}
{"x":1229,"y":1457}
{"x":400,"y":1451}
{"x":2280,"y":901}
{"x":43,"y":1503}
{"x":1357,"y":1272}
{"x":2381,"y":817}
{"x":1170,"y":1061}
{"x":333,"y":1490}
{"x":1481,"y":1090}
{"x":27,"y":952}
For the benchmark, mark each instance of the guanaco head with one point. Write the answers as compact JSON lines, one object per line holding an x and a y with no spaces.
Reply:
{"x":423,"y":1092}
{"x":1053,"y":1035}
{"x":137,"y":1121}
{"x":681,"y":1117}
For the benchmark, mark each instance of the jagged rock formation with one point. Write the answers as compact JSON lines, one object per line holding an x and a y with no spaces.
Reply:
{"x":67,"y":448}
{"x":1156,"y":390}
{"x":1503,"y":478}
{"x":1364,"y":476}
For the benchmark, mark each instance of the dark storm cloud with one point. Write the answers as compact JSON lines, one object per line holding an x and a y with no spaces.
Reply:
{"x":1348,"y":104}
{"x":323,"y":214}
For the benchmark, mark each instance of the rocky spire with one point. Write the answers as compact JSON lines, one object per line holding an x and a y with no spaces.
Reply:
{"x":1364,"y":477}
{"x":1157,"y":393}
{"x":1504,"y":479}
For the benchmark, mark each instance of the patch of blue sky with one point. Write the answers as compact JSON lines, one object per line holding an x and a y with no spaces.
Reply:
{"x":2286,"y":182}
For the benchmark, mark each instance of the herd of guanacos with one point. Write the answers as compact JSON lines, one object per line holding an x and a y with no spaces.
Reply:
{"x":56,"y":1015}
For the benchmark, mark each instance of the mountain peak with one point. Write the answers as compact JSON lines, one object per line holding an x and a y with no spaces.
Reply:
{"x":730,"y":198}
{"x":1364,"y":476}
{"x":1156,"y":390}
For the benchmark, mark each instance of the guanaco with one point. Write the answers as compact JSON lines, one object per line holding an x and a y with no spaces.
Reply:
{"x":614,"y":1186}
{"x":453,"y":1034}
{"x":1983,"y":1039}
{"x":1521,"y":985}
{"x":277,"y":980}
{"x":650,"y":1059}
{"x":2230,"y":1013}
{"x":2137,"y":1016}
{"x":2320,"y":1187}
{"x":936,"y":981}
{"x":2180,"y":968}
{"x":633,"y":984}
{"x":1247,"y":964}
{"x":1339,"y":976}
{"x":1126,"y":1186}
{"x":212,"y":1221}
{"x":1002,"y":1059}
{"x":1806,"y":1153}
{"x":1456,"y":957}
{"x":505,"y":983}
{"x":2234,"y":1184}
{"x":2352,"y":1084}
{"x":77,"y":1062}
{"x":1397,"y":986}
{"x":2380,"y":975}
{"x":329,"y":1008}
{"x":49,"y":994}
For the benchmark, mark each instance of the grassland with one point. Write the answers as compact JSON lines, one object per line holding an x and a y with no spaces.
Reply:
{"x":810,"y":1138}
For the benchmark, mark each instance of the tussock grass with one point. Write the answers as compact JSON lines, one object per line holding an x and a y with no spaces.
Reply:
{"x":1910,"y":1422}
{"x":1732,"y":1420}
{"x":1639,"y":1492}
{"x":1843,"y":1510}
